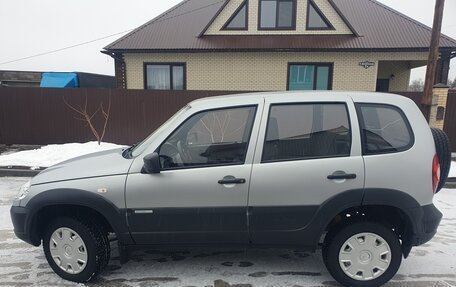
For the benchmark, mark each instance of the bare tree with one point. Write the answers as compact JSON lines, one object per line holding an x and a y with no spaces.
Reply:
{"x":452,"y":84}
{"x":88,"y":117}
{"x":417,"y":85}
{"x":218,"y":126}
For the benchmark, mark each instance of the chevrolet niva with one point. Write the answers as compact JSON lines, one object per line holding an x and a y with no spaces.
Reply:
{"x":352,"y":172}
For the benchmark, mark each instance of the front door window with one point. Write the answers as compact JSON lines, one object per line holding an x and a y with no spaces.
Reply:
{"x":215,"y":137}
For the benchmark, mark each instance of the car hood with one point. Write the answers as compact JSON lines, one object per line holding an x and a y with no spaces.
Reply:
{"x":104,"y":163}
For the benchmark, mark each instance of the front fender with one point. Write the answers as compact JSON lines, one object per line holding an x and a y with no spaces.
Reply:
{"x":75,"y":197}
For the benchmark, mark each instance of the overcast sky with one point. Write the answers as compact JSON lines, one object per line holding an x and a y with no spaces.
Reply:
{"x":30,"y":27}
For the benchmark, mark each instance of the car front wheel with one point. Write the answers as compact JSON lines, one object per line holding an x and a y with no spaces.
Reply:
{"x":362,"y":254}
{"x":75,"y":249}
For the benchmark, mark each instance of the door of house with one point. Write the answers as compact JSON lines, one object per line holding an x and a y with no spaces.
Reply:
{"x":382,"y":85}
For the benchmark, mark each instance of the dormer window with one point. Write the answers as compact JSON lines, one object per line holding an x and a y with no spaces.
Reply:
{"x":277,"y":15}
{"x":316,"y":20}
{"x":239,"y":20}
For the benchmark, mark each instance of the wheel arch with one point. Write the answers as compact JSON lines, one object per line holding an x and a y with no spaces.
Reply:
{"x":393,"y":208}
{"x":71,"y":202}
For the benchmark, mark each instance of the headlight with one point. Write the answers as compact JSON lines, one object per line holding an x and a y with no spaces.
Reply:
{"x":23,"y":191}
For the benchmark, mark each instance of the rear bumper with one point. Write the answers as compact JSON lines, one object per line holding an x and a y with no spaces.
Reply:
{"x":427,"y":220}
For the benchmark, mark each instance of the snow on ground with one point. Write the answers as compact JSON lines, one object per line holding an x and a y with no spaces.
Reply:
{"x":433,"y":264}
{"x":452,"y":169}
{"x":52,"y":154}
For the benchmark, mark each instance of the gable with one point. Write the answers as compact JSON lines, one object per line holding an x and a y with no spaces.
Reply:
{"x":319,"y":9}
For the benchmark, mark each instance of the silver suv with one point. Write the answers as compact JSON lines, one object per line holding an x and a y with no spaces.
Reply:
{"x":355,"y":173}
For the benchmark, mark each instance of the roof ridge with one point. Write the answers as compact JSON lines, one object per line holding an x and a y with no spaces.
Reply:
{"x":147,"y":23}
{"x":410,"y":19}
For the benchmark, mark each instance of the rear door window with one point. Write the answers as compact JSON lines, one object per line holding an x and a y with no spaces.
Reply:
{"x":384,"y":129}
{"x":305,"y":131}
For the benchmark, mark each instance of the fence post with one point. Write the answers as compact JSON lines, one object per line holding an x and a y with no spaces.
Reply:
{"x":438,"y":108}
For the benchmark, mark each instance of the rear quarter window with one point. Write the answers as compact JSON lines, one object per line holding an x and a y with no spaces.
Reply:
{"x":384,"y":129}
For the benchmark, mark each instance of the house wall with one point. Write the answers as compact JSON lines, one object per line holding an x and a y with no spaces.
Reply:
{"x":20,"y":78}
{"x":257,"y":71}
{"x":301,"y":18}
{"x":401,"y":72}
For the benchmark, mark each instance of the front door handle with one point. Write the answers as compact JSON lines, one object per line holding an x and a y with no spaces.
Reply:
{"x":342,"y":175}
{"x":231,"y":180}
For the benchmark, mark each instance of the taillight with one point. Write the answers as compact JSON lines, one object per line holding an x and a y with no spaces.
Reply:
{"x":435,"y":173}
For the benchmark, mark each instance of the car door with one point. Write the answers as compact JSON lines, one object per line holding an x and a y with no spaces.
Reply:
{"x":200,"y":194}
{"x":308,"y":153}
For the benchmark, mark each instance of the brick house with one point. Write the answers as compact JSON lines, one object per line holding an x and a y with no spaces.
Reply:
{"x":256,"y":45}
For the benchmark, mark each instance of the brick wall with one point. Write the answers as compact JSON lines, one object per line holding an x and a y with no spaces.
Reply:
{"x":257,"y":71}
{"x":440,"y":96}
{"x":120,"y":70}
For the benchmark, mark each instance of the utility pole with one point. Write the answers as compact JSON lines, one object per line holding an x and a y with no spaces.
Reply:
{"x":426,"y":101}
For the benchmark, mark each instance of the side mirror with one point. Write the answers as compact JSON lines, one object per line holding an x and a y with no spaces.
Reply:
{"x":151,"y":163}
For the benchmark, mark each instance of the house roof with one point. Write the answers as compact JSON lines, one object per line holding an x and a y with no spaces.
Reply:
{"x":374,"y":26}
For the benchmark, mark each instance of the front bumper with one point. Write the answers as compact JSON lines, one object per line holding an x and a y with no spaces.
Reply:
{"x":19,"y":216}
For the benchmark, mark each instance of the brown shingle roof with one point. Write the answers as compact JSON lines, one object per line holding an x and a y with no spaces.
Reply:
{"x":375,"y":27}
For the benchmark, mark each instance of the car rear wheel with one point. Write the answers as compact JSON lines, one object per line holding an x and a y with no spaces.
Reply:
{"x":362,"y":254}
{"x":75,"y":249}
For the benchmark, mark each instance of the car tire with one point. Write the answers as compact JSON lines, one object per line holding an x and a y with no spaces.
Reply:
{"x":76,"y":249}
{"x":442,"y":147}
{"x":375,"y":247}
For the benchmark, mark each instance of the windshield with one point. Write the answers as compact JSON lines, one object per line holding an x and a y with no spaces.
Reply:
{"x":137,"y":150}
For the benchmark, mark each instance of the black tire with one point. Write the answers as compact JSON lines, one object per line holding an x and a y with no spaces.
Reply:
{"x":334,"y":241}
{"x":95,"y":240}
{"x":442,"y":147}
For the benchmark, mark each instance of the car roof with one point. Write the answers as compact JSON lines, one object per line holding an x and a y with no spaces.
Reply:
{"x":299,"y":96}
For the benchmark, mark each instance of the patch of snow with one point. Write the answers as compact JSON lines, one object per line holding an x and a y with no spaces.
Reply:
{"x":452,"y":169}
{"x":52,"y":154}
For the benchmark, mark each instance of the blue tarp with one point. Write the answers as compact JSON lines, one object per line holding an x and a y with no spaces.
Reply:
{"x":59,"y":80}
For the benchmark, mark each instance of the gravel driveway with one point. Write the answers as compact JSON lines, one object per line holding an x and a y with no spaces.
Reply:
{"x":433,"y":264}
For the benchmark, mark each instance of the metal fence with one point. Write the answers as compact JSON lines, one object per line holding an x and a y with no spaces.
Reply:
{"x":450,"y":119}
{"x":41,"y":116}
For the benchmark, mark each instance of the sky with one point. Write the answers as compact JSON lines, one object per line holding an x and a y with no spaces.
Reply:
{"x":30,"y":27}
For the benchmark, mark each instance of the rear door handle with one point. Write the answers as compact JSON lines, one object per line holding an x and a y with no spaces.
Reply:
{"x":231,"y":180}
{"x":341,"y":175}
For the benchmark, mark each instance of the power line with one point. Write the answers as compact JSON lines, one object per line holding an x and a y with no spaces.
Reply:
{"x":105,"y":37}
{"x":65,"y":48}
